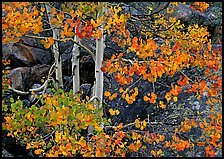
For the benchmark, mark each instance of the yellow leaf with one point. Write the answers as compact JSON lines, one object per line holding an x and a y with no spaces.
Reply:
{"x":79,"y":13}
{"x":121,"y":18}
{"x":112,"y":112}
{"x":162,"y":105}
{"x":114,"y":95}
{"x":28,"y":146}
{"x":141,"y":127}
{"x":153,"y":153}
{"x":47,"y":45}
{"x":137,"y":123}
{"x":144,"y":123}
{"x":159,"y":152}
{"x":168,"y":97}
{"x":175,"y":99}
{"x":63,"y":137}
{"x":38,"y":151}
{"x":117,"y":112}
{"x":57,"y":136}
{"x":98,"y":128}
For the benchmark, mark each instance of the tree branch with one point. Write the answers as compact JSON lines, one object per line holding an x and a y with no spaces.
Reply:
{"x":32,"y":89}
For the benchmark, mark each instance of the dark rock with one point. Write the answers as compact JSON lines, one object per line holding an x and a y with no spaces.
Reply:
{"x":66,"y":57}
{"x":16,"y":77}
{"x":214,"y":15}
{"x":38,"y":72}
{"x":87,"y":70}
{"x":6,"y":49}
{"x":85,"y":90}
{"x":26,"y":103}
{"x":40,"y":54}
{"x":68,"y":84}
{"x":20,"y":56}
{"x":27,"y":52}
{"x":13,"y":147}
{"x":23,"y":78}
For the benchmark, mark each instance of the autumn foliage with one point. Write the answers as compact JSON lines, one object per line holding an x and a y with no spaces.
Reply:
{"x":59,"y":125}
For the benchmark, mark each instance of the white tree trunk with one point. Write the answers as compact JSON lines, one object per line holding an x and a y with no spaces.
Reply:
{"x":58,"y":60}
{"x":75,"y":66}
{"x":55,"y":50}
{"x":98,"y":87}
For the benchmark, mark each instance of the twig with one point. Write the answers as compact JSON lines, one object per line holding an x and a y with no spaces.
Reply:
{"x":135,"y":82}
{"x":153,"y":87}
{"x":96,"y":98}
{"x":131,"y":124}
{"x":124,"y":60}
{"x":32,"y":89}
{"x":162,"y":84}
{"x":48,"y":79}
{"x":186,"y":76}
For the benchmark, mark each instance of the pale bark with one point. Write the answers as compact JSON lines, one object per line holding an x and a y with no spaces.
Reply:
{"x":55,"y":50}
{"x":75,"y":65}
{"x":100,"y":45}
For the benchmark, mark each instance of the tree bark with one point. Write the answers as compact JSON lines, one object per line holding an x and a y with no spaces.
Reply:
{"x":55,"y":50}
{"x":75,"y":66}
{"x":100,"y":45}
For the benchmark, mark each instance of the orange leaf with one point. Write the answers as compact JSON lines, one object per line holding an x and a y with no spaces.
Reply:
{"x":107,"y":94}
{"x":117,"y":141}
{"x":103,"y":69}
{"x":114,"y":95}
{"x":200,"y":143}
{"x":145,"y":98}
{"x":51,"y":40}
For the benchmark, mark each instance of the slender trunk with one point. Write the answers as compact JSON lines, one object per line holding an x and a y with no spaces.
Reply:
{"x":100,"y":45}
{"x":98,"y":85}
{"x":55,"y":50}
{"x":58,"y":60}
{"x":75,"y":66}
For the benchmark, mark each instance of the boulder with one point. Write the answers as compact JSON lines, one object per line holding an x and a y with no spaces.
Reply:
{"x":16,"y":77}
{"x":25,"y":53}
{"x":40,"y":54}
{"x":23,"y":78}
{"x":87,"y":70}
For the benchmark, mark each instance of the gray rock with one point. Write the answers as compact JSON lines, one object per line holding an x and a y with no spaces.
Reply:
{"x":40,"y":54}
{"x":23,"y":78}
{"x":6,"y":153}
{"x":16,"y":77}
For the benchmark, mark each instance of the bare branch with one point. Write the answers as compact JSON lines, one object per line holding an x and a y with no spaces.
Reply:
{"x":32,"y":89}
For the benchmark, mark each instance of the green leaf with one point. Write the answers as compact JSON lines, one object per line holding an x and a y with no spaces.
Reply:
{"x":42,"y":101}
{"x":11,"y":100}
{"x":18,"y":117}
{"x":20,"y":103}
{"x":27,"y":122}
{"x":13,"y":106}
{"x":33,"y":108}
{"x":65,"y":102}
{"x":49,"y":145}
